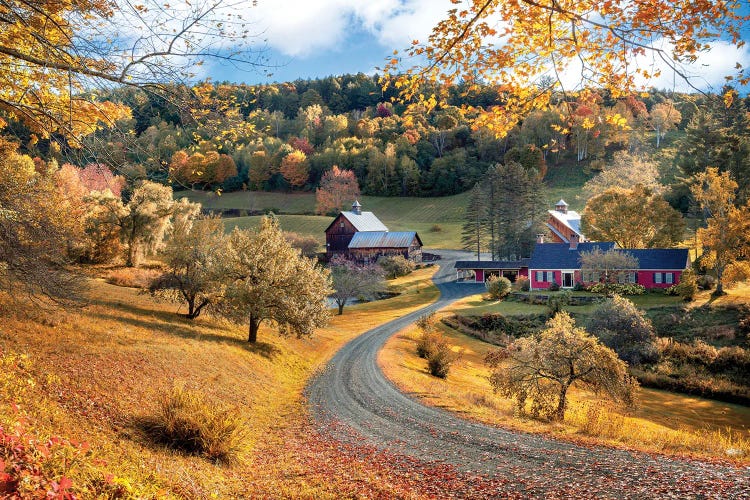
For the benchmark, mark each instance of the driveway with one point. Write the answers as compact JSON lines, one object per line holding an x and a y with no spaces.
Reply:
{"x":353,"y":401}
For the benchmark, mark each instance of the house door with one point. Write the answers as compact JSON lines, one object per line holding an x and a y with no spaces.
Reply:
{"x":567,"y":279}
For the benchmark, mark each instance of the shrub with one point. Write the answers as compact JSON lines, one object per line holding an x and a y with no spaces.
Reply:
{"x":427,"y":344}
{"x":134,"y":277}
{"x":395,"y":266}
{"x":706,"y":282}
{"x":439,"y":361}
{"x":498,"y":287}
{"x":436,"y":228}
{"x":522,"y":283}
{"x":554,"y":286}
{"x":186,"y":421}
{"x":579,"y":287}
{"x":688,"y":286}
{"x":427,"y":322}
{"x":557,"y":302}
{"x":624,"y":328}
{"x":618,"y":288}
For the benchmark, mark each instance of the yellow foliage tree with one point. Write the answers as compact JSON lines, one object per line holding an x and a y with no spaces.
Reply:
{"x":518,"y":45}
{"x":266,"y":279}
{"x":726,"y":238}
{"x":53,"y":53}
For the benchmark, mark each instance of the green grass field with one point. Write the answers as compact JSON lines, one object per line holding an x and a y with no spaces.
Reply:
{"x":437,"y":220}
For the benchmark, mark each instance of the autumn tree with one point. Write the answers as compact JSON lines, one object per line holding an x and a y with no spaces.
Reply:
{"x":726,"y":238}
{"x":306,"y":244}
{"x":664,"y":117}
{"x":623,"y":171}
{"x":54,"y":53}
{"x":209,"y":168}
{"x":337,"y":188}
{"x":143,"y":221}
{"x":98,"y":177}
{"x":538,"y":370}
{"x":295,"y":168}
{"x":192,"y":255}
{"x":267,"y":280}
{"x":597,"y":40}
{"x":632,"y":218}
{"x":607,"y":266}
{"x":37,"y":226}
{"x":352,"y":280}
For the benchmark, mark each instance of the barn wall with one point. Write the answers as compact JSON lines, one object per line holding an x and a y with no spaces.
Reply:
{"x":339,"y":235}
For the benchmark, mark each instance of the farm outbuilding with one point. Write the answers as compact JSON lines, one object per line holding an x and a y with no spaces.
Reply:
{"x":361,"y":236}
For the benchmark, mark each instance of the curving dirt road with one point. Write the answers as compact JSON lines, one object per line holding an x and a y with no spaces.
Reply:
{"x":354,"y":402}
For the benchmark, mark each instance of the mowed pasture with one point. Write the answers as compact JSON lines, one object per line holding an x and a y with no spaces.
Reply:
{"x":437,"y":220}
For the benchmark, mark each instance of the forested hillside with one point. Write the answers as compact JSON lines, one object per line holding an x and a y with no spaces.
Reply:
{"x":284,"y":137}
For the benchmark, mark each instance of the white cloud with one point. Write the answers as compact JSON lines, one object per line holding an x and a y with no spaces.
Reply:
{"x":302,"y":27}
{"x":707,"y":73}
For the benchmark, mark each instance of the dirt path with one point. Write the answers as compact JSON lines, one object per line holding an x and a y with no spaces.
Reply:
{"x":352,"y":401}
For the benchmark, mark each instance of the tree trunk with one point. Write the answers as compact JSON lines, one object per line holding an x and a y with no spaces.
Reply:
{"x":252,"y":336}
{"x":131,"y":255}
{"x":561,"y":403}
{"x":193,"y":310}
{"x":341,"y":306}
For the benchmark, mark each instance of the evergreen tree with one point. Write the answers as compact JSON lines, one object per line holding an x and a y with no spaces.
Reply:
{"x":474,"y":232}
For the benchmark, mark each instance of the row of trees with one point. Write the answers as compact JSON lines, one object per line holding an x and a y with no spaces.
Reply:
{"x":223,"y":137}
{"x":505,"y":212}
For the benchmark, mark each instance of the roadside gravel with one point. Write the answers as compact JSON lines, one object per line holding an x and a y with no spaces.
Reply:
{"x":353,"y":402}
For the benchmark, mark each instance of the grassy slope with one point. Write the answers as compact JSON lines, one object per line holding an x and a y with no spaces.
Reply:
{"x":664,"y":422}
{"x":399,"y":214}
{"x":101,"y":368}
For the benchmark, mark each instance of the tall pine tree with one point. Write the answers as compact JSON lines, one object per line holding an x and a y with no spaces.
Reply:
{"x":474,"y":232}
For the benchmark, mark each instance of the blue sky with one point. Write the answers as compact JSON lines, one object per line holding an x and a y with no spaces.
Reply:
{"x":317,"y":38}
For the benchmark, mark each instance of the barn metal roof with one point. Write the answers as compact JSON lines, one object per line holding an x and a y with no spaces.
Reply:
{"x":572,"y":219}
{"x":383,"y":239}
{"x":365,"y":221}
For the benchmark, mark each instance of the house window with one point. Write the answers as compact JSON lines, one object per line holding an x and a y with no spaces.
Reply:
{"x":669,"y":278}
{"x":545,"y":276}
{"x":341,"y":225}
{"x":628,"y":277}
{"x":657,"y":278}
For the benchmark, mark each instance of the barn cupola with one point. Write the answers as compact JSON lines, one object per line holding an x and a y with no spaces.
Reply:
{"x":561,"y":207}
{"x":357,"y":208}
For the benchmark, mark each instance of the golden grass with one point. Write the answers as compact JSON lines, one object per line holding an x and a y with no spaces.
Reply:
{"x":101,"y":369}
{"x":664,"y":422}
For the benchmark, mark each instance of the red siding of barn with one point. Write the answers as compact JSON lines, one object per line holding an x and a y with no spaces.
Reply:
{"x":339,"y":235}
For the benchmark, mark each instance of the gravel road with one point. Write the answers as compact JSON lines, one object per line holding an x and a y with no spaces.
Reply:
{"x":352,"y":401}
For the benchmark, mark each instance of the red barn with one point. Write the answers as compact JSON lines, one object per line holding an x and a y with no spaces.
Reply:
{"x":563,"y":223}
{"x":361,"y":236}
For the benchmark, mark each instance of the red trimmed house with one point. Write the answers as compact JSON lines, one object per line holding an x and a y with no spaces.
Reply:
{"x":479,"y":271}
{"x":361,"y":236}
{"x":560,"y":263}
